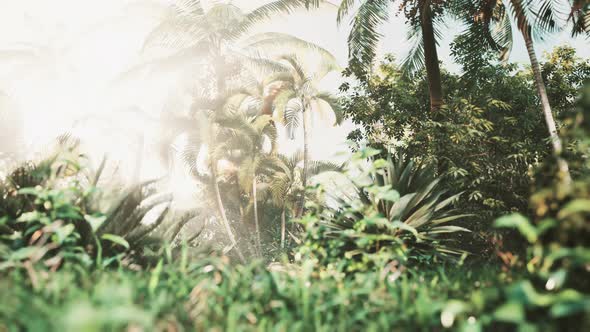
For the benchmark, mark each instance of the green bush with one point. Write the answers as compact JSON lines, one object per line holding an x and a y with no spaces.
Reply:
{"x":51,"y":212}
{"x":385,"y":210}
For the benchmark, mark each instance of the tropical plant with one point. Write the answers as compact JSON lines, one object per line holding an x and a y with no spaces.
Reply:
{"x":54,"y":205}
{"x":534,"y":20}
{"x":425,"y":20}
{"x":286,"y":186}
{"x":580,"y":17}
{"x":208,"y":134}
{"x":197,"y":33}
{"x":490,"y":137}
{"x":256,"y":159}
{"x":46,"y":218}
{"x":240,"y":79}
{"x":299,"y":97}
{"x":389,"y":210}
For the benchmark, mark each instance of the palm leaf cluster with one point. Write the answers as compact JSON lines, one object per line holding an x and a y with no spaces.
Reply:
{"x":388,"y":210}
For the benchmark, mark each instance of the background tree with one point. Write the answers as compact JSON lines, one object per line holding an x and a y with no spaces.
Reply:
{"x":534,"y":20}
{"x":252,"y":134}
{"x":299,"y":96}
{"x":492,"y":134}
{"x":424,"y":18}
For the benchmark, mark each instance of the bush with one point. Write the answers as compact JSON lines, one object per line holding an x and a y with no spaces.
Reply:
{"x":385,"y":210}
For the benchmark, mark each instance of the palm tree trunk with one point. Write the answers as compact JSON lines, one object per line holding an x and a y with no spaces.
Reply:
{"x":221,"y":210}
{"x":221,"y":87}
{"x":283,"y":228}
{"x":431,"y":58}
{"x":256,"y":223}
{"x":306,"y":154}
{"x":556,"y":144}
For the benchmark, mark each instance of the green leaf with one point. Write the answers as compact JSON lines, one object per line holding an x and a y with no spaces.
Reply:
{"x":28,"y":191}
{"x":380,"y":163}
{"x":405,"y":227}
{"x":390,"y":195}
{"x":95,"y":222}
{"x":23,"y":253}
{"x":69,"y":212}
{"x":155,"y":277}
{"x":29,"y":216}
{"x":569,"y":308}
{"x":116,"y":239}
{"x":521,"y":223}
{"x":4,"y":220}
{"x":512,"y":312}
{"x":63,"y":232}
{"x":574,"y":207}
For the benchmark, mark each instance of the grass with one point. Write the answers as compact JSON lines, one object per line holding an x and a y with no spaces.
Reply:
{"x":212,"y":294}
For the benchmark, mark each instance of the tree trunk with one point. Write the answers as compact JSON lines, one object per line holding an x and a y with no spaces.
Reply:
{"x":221,"y":210}
{"x":556,"y":144}
{"x":219,"y":67}
{"x":256,"y":223}
{"x":306,"y":154}
{"x":431,"y":58}
{"x":283,"y":228}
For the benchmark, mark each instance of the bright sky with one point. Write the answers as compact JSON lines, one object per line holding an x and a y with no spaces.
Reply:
{"x":65,"y":54}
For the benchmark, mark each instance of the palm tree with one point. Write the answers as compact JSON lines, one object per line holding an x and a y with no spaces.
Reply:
{"x":208,"y":35}
{"x":196,"y":32}
{"x":255,"y":157}
{"x":298,"y":96}
{"x":424,"y":17}
{"x":207,"y":131}
{"x":533,"y":19}
{"x":286,"y":187}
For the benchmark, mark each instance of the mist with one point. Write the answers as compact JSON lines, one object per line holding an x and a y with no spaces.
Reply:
{"x":87,"y":69}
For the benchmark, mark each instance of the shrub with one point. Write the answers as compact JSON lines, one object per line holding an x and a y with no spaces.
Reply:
{"x":385,"y":210}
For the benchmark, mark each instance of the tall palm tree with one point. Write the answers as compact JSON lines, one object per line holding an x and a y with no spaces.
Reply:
{"x":424,"y":17}
{"x":208,"y":36}
{"x":299,"y":97}
{"x":534,"y":19}
{"x":255,"y":142}
{"x":209,"y":134}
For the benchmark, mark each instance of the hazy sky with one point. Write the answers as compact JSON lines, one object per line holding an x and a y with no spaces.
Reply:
{"x":321,"y":27}
{"x":79,"y":46}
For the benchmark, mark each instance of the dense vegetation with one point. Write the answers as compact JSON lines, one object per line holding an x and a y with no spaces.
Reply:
{"x":465,"y":203}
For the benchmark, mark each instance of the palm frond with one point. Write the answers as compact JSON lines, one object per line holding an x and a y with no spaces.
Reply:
{"x":189,"y":7}
{"x":271,"y":9}
{"x":551,"y":15}
{"x":501,"y":30}
{"x":522,"y":14}
{"x":364,"y":35}
{"x":344,"y":9}
{"x":277,"y":43}
{"x":328,"y":103}
{"x":292,"y":117}
{"x":580,"y":17}
{"x":414,"y":61}
{"x":317,"y":167}
{"x":259,"y":64}
{"x":186,"y":27}
{"x":296,"y":66}
{"x":280,"y":103}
